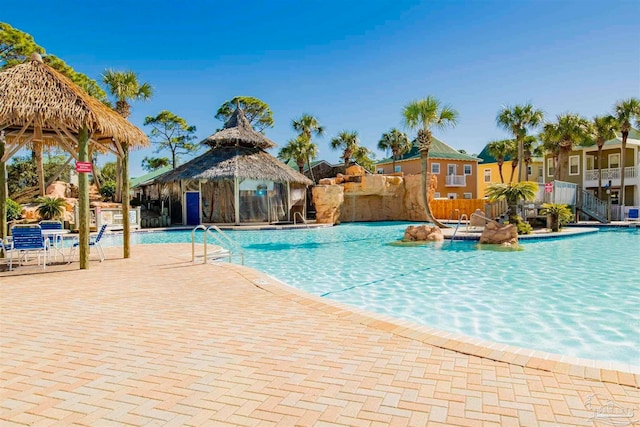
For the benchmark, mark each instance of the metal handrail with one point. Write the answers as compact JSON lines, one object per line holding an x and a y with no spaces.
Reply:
{"x":193,"y":243}
{"x":304,"y":221}
{"x":464,"y":215}
{"x":237,"y":249}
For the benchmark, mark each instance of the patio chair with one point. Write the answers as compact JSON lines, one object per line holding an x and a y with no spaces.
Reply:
{"x":28,"y":238}
{"x":633,"y":214}
{"x":94,"y":241}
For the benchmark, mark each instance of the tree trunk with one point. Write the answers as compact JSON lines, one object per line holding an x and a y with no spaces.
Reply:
{"x":118,"y":196}
{"x":3,"y":194}
{"x":424,"y":163}
{"x":500,"y":170}
{"x":599,"y":171}
{"x":514,"y":165}
{"x":313,"y":178}
{"x":563,"y":165}
{"x":126,"y":238}
{"x":622,"y":159}
{"x":520,"y":159}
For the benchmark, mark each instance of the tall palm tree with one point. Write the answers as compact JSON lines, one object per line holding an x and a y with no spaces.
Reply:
{"x":550,"y":144}
{"x":124,"y":87}
{"x":528,"y":146}
{"x":423,"y":115}
{"x":569,"y":130}
{"x":525,"y":190}
{"x":349,"y":142}
{"x":625,"y":111}
{"x":512,"y":152}
{"x":397,"y":142}
{"x":307,"y":126}
{"x":518,"y":119}
{"x":499,"y":149}
{"x":604,"y":129}
{"x":365,"y":158}
{"x":300,"y":150}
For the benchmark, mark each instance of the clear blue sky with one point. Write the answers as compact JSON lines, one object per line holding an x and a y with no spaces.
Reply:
{"x":352,"y":64}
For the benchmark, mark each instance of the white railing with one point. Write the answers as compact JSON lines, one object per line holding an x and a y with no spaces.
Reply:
{"x":456,"y":181}
{"x":612,"y":174}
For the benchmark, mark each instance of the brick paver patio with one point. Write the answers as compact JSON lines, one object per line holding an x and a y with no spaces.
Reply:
{"x":156,"y":340}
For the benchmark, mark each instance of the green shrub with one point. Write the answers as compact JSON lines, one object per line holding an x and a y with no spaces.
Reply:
{"x":14,"y":210}
{"x":523,"y":227}
{"x":51,"y":207}
{"x":560,"y":214}
{"x":108,"y":191}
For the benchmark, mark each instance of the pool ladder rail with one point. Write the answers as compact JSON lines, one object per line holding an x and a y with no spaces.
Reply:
{"x":460,"y":218}
{"x":219,"y":251}
{"x":304,"y":221}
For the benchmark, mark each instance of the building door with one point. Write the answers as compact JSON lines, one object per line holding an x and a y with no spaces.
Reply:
{"x":192,"y":207}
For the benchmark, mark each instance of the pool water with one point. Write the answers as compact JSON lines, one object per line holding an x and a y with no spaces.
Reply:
{"x":575,"y":296}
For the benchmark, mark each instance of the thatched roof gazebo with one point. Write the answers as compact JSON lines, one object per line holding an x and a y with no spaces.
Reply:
{"x":238,"y":181}
{"x":40,"y":107}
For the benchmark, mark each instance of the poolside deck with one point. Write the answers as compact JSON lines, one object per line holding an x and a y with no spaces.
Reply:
{"x":156,"y":340}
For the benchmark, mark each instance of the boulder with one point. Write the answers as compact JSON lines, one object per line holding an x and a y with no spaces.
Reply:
{"x":478,"y":219}
{"x":423,"y":233}
{"x":495,"y":233}
{"x":355,"y":170}
{"x":327,"y":200}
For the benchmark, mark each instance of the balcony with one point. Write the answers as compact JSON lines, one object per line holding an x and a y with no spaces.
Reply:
{"x":456,"y":181}
{"x":631,"y":176}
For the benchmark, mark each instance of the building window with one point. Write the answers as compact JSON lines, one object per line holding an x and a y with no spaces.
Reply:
{"x":614,"y":161}
{"x":551,"y":170}
{"x":452,"y":169}
{"x":574,"y":165}
{"x":487,"y":175}
{"x":436,"y":195}
{"x":380,"y":170}
{"x":468,"y":195}
{"x":452,"y":196}
{"x":398,"y":169}
{"x":591,"y":161}
{"x":467,"y":169}
{"x":529,"y":170}
{"x":435,"y":168}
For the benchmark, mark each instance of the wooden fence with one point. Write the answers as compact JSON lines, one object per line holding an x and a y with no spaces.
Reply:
{"x":446,"y":208}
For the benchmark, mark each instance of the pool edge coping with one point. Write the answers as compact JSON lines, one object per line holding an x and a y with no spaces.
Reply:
{"x":590,"y":369}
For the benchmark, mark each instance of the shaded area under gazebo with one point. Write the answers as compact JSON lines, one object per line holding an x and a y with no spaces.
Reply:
{"x":236,"y":181}
{"x":41,"y":107}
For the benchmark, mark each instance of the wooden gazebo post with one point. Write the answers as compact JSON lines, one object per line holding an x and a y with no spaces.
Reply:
{"x":126,"y":224}
{"x":83,"y":199}
{"x":3,"y":191}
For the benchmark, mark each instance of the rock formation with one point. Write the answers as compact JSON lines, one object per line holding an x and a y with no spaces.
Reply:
{"x":499,"y":234}
{"x":327,"y":200}
{"x":423,"y":233}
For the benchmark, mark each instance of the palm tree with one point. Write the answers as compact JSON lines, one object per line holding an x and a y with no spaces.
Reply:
{"x":347,"y":141}
{"x":513,"y":154}
{"x":397,"y":142}
{"x":299,"y":150}
{"x":525,"y":190}
{"x":307,"y":126}
{"x":422,"y":115}
{"x":604,"y":129}
{"x":529,"y":146}
{"x":499,"y":149}
{"x":518,"y":119}
{"x":625,"y":111}
{"x":569,"y":130}
{"x":365,"y":158}
{"x":550,"y":144}
{"x":124,"y":87}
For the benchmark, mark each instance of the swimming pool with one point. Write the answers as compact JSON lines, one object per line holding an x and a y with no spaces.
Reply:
{"x":577,"y":296}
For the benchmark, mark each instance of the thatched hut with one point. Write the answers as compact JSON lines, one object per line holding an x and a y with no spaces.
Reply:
{"x":40,"y":107}
{"x":236,"y":181}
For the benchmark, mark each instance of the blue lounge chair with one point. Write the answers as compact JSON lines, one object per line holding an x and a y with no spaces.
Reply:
{"x":93,"y":241}
{"x":633,"y":214}
{"x":25,"y":239}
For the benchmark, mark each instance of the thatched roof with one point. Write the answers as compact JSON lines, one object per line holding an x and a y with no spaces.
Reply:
{"x":225,"y":163}
{"x":35,"y":95}
{"x":238,"y":131}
